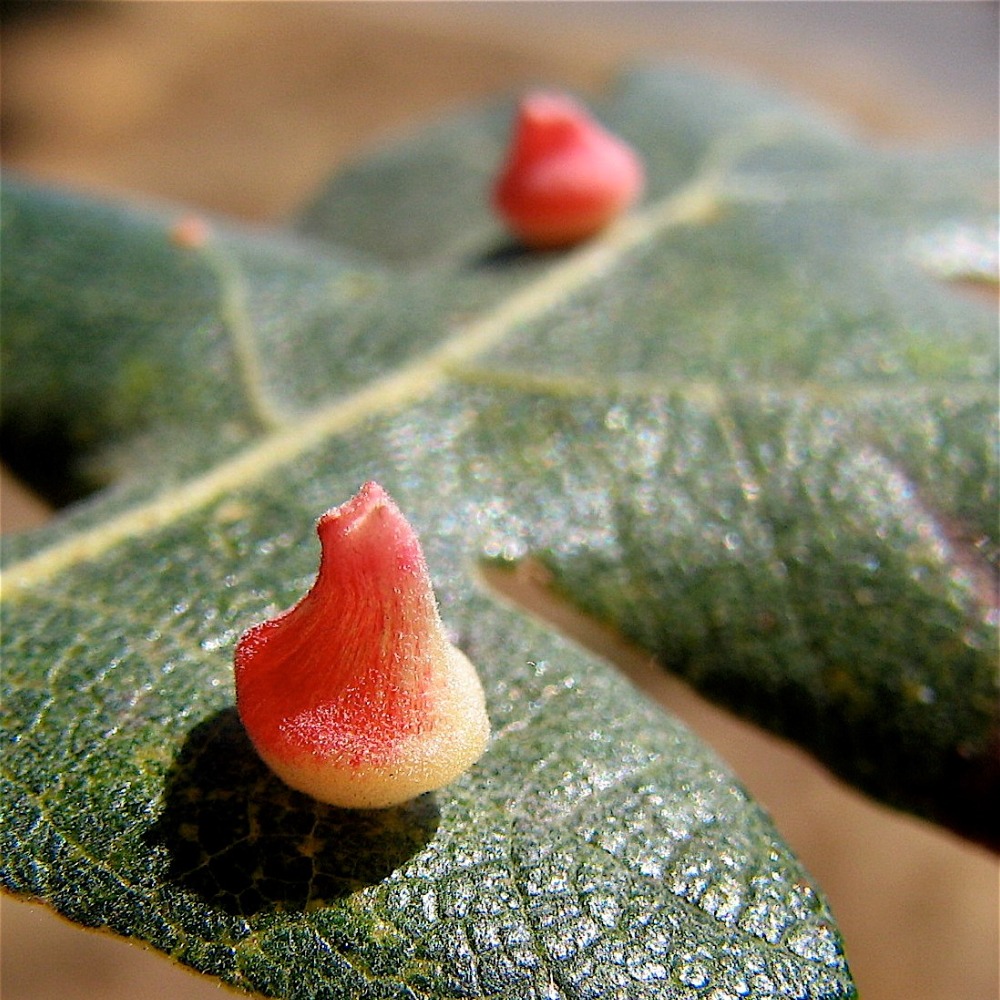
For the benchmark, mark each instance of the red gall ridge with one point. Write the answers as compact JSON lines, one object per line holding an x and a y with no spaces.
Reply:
{"x":355,"y":696}
{"x":565,"y":177}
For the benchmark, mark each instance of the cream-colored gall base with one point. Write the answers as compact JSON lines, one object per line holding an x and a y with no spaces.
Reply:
{"x":419,"y":764}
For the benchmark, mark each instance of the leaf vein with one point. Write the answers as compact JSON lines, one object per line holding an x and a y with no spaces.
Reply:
{"x":693,"y":203}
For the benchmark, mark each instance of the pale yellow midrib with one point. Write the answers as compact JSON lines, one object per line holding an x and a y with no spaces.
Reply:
{"x":692,"y":204}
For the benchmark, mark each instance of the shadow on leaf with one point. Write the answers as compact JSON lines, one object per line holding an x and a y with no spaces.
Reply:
{"x":245,"y":842}
{"x":506,"y":254}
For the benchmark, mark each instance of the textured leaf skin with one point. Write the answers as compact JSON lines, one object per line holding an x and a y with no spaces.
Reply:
{"x":597,"y":845}
{"x":799,"y":429}
{"x":619,"y":412}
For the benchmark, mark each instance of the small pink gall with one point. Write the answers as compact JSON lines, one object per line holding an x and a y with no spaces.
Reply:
{"x":565,"y":177}
{"x":190,"y":232}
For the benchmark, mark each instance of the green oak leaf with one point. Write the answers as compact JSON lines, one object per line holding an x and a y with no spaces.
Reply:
{"x":749,"y":426}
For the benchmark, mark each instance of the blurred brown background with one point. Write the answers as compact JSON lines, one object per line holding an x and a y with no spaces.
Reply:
{"x":244,"y":108}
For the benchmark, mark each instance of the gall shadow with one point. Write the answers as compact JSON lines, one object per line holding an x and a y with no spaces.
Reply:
{"x":243,"y":841}
{"x":507,"y":254}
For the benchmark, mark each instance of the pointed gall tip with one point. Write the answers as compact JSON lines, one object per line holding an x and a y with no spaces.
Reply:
{"x":355,"y":695}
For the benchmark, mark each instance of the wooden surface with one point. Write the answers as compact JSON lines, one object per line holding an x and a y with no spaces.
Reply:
{"x":245,"y":108}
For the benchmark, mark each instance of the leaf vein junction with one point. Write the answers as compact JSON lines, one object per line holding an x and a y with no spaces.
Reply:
{"x":693,"y":203}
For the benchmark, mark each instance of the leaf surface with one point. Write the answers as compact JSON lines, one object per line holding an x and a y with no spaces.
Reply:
{"x":747,"y":426}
